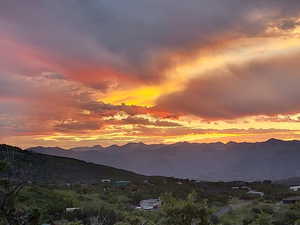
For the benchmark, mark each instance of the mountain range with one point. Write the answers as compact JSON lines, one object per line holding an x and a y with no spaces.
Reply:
{"x":273,"y":159}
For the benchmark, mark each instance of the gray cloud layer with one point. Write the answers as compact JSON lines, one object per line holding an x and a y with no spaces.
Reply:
{"x":134,"y":36}
{"x":261,"y":87}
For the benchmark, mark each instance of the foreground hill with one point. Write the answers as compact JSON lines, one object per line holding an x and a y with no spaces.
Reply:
{"x":273,"y":159}
{"x":54,"y":169}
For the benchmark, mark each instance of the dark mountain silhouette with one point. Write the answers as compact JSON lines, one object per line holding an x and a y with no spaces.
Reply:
{"x":53,"y":169}
{"x":273,"y":159}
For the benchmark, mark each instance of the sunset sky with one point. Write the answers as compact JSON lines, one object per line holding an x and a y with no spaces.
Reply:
{"x":88,"y":72}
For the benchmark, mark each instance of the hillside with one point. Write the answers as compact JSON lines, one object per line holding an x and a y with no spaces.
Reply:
{"x":292,"y":181}
{"x":54,"y":169}
{"x":273,"y":159}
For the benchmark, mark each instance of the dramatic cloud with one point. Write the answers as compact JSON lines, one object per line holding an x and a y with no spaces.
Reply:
{"x":103,"y":109}
{"x":99,"y":41}
{"x":259,"y":87}
{"x":75,"y":126}
{"x":145,"y":121}
{"x":133,"y":70}
{"x":49,"y":103}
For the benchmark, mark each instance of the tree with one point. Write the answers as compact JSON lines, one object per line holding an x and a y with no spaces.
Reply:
{"x":185,"y":212}
{"x":74,"y":223}
{"x":7,"y":203}
{"x":9,"y":190}
{"x":262,"y":219}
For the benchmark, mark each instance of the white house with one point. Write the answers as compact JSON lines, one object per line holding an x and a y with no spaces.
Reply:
{"x":241,"y":188}
{"x":245,"y":188}
{"x":295,"y":188}
{"x":70,"y":210}
{"x":150,"y":204}
{"x":261,"y":194}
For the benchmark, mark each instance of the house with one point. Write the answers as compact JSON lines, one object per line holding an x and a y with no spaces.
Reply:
{"x":245,"y":188}
{"x":261,"y":194}
{"x":70,"y":210}
{"x":121,"y":183}
{"x":291,"y":200}
{"x":295,"y":188}
{"x":106,"y":180}
{"x":148,"y":182}
{"x":241,"y":188}
{"x":150,"y":204}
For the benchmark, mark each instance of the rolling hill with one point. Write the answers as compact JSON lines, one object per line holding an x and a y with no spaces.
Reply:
{"x":53,"y":169}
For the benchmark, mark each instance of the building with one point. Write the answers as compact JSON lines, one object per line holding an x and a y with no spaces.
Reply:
{"x":241,"y":188}
{"x":291,"y":200}
{"x":295,"y":188}
{"x":261,"y":194}
{"x":121,"y":183}
{"x":245,"y":188}
{"x":150,"y":204}
{"x":235,"y":188}
{"x":70,"y":210}
{"x":106,"y":180}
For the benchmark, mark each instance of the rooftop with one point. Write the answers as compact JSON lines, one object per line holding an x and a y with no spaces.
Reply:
{"x":295,"y":198}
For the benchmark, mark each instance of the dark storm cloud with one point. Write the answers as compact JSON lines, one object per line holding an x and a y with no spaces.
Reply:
{"x":261,"y":87}
{"x":104,"y":109}
{"x":136,"y":37}
{"x":144,"y":121}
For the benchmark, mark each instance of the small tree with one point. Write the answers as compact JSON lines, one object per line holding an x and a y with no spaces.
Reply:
{"x":185,"y":212}
{"x":262,"y":219}
{"x":8,"y":195}
{"x":9,"y":190}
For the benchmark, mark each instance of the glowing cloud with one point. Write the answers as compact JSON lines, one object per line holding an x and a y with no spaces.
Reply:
{"x":84,"y":72}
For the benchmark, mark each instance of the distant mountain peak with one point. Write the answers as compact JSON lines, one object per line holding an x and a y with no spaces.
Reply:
{"x":97,"y":146}
{"x":135,"y":144}
{"x":275,"y":141}
{"x":181,"y":143}
{"x":42,"y":148}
